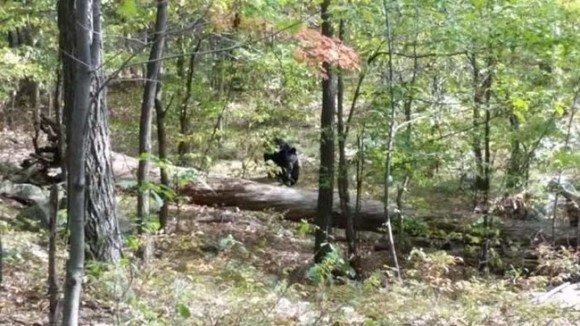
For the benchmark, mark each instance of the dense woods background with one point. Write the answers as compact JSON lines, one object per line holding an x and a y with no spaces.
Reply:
{"x":438,"y":145}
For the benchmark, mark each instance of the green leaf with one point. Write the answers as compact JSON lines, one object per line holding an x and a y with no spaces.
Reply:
{"x":520,"y":105}
{"x":183,"y":311}
{"x":128,"y":9}
{"x":520,"y":116}
{"x":132,"y":242}
{"x":305,"y":227}
{"x":151,"y":227}
{"x":567,"y":159}
{"x":559,"y":109}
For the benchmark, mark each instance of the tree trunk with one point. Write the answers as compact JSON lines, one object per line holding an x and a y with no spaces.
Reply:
{"x":52,"y":274}
{"x":482,"y":99}
{"x":10,"y":109}
{"x":67,"y":45}
{"x":102,"y":224}
{"x":80,"y":12}
{"x":479,"y":101}
{"x":342,"y":180}
{"x":570,"y":193}
{"x":36,"y":115}
{"x":58,"y":118}
{"x":153,"y":67}
{"x":295,"y":204}
{"x":162,"y":143}
{"x":326,"y":173}
{"x":185,"y":127}
{"x":390,"y":139}
{"x":1,"y":260}
{"x":514,"y":172}
{"x":487,"y":217}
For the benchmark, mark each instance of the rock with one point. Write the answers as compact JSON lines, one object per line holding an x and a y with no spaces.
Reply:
{"x":23,"y":192}
{"x":37,"y":215}
{"x":566,"y":295}
{"x":351,"y":316}
{"x":296,"y":311}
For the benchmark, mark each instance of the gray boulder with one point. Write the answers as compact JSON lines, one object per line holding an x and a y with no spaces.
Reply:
{"x":37,"y":214}
{"x":23,"y":192}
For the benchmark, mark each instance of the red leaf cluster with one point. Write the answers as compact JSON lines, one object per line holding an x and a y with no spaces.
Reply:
{"x":315,"y":49}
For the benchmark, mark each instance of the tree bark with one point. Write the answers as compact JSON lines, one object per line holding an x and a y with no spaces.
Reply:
{"x":326,"y":172}
{"x":102,"y":233}
{"x":482,"y":99}
{"x":185,"y":127}
{"x":162,"y":148}
{"x":514,"y":172}
{"x":153,"y":67}
{"x":52,"y":273}
{"x":81,"y":88}
{"x":342,"y":179}
{"x":479,"y":101}
{"x":295,"y":204}
{"x":58,"y":118}
{"x":67,"y":47}
{"x":390,"y":139}
{"x":1,"y":260}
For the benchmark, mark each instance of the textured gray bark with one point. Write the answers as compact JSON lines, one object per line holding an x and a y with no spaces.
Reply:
{"x":88,"y":149}
{"x":102,"y":226}
{"x":81,"y":11}
{"x":153,"y":67}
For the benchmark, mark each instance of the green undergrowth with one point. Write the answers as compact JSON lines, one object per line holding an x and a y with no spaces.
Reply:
{"x":227,"y":291}
{"x":257,"y":270}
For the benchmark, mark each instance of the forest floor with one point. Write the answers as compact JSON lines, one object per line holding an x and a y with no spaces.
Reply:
{"x":222,"y":266}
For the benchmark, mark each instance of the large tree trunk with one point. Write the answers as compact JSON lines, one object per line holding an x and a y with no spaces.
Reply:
{"x":153,"y":67}
{"x":88,"y":149}
{"x":101,"y":228}
{"x":295,"y":204}
{"x":102,"y":224}
{"x":79,"y":112}
{"x":326,"y":173}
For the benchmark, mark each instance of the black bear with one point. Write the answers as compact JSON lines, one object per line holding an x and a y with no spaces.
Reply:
{"x":287,"y":159}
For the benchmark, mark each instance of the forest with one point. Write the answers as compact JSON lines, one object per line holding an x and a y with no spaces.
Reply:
{"x":279,"y":162}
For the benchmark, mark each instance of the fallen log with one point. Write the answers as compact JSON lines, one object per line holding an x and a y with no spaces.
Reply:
{"x":295,"y":204}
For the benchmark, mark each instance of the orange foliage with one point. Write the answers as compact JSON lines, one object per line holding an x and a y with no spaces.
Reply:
{"x":316,"y":49}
